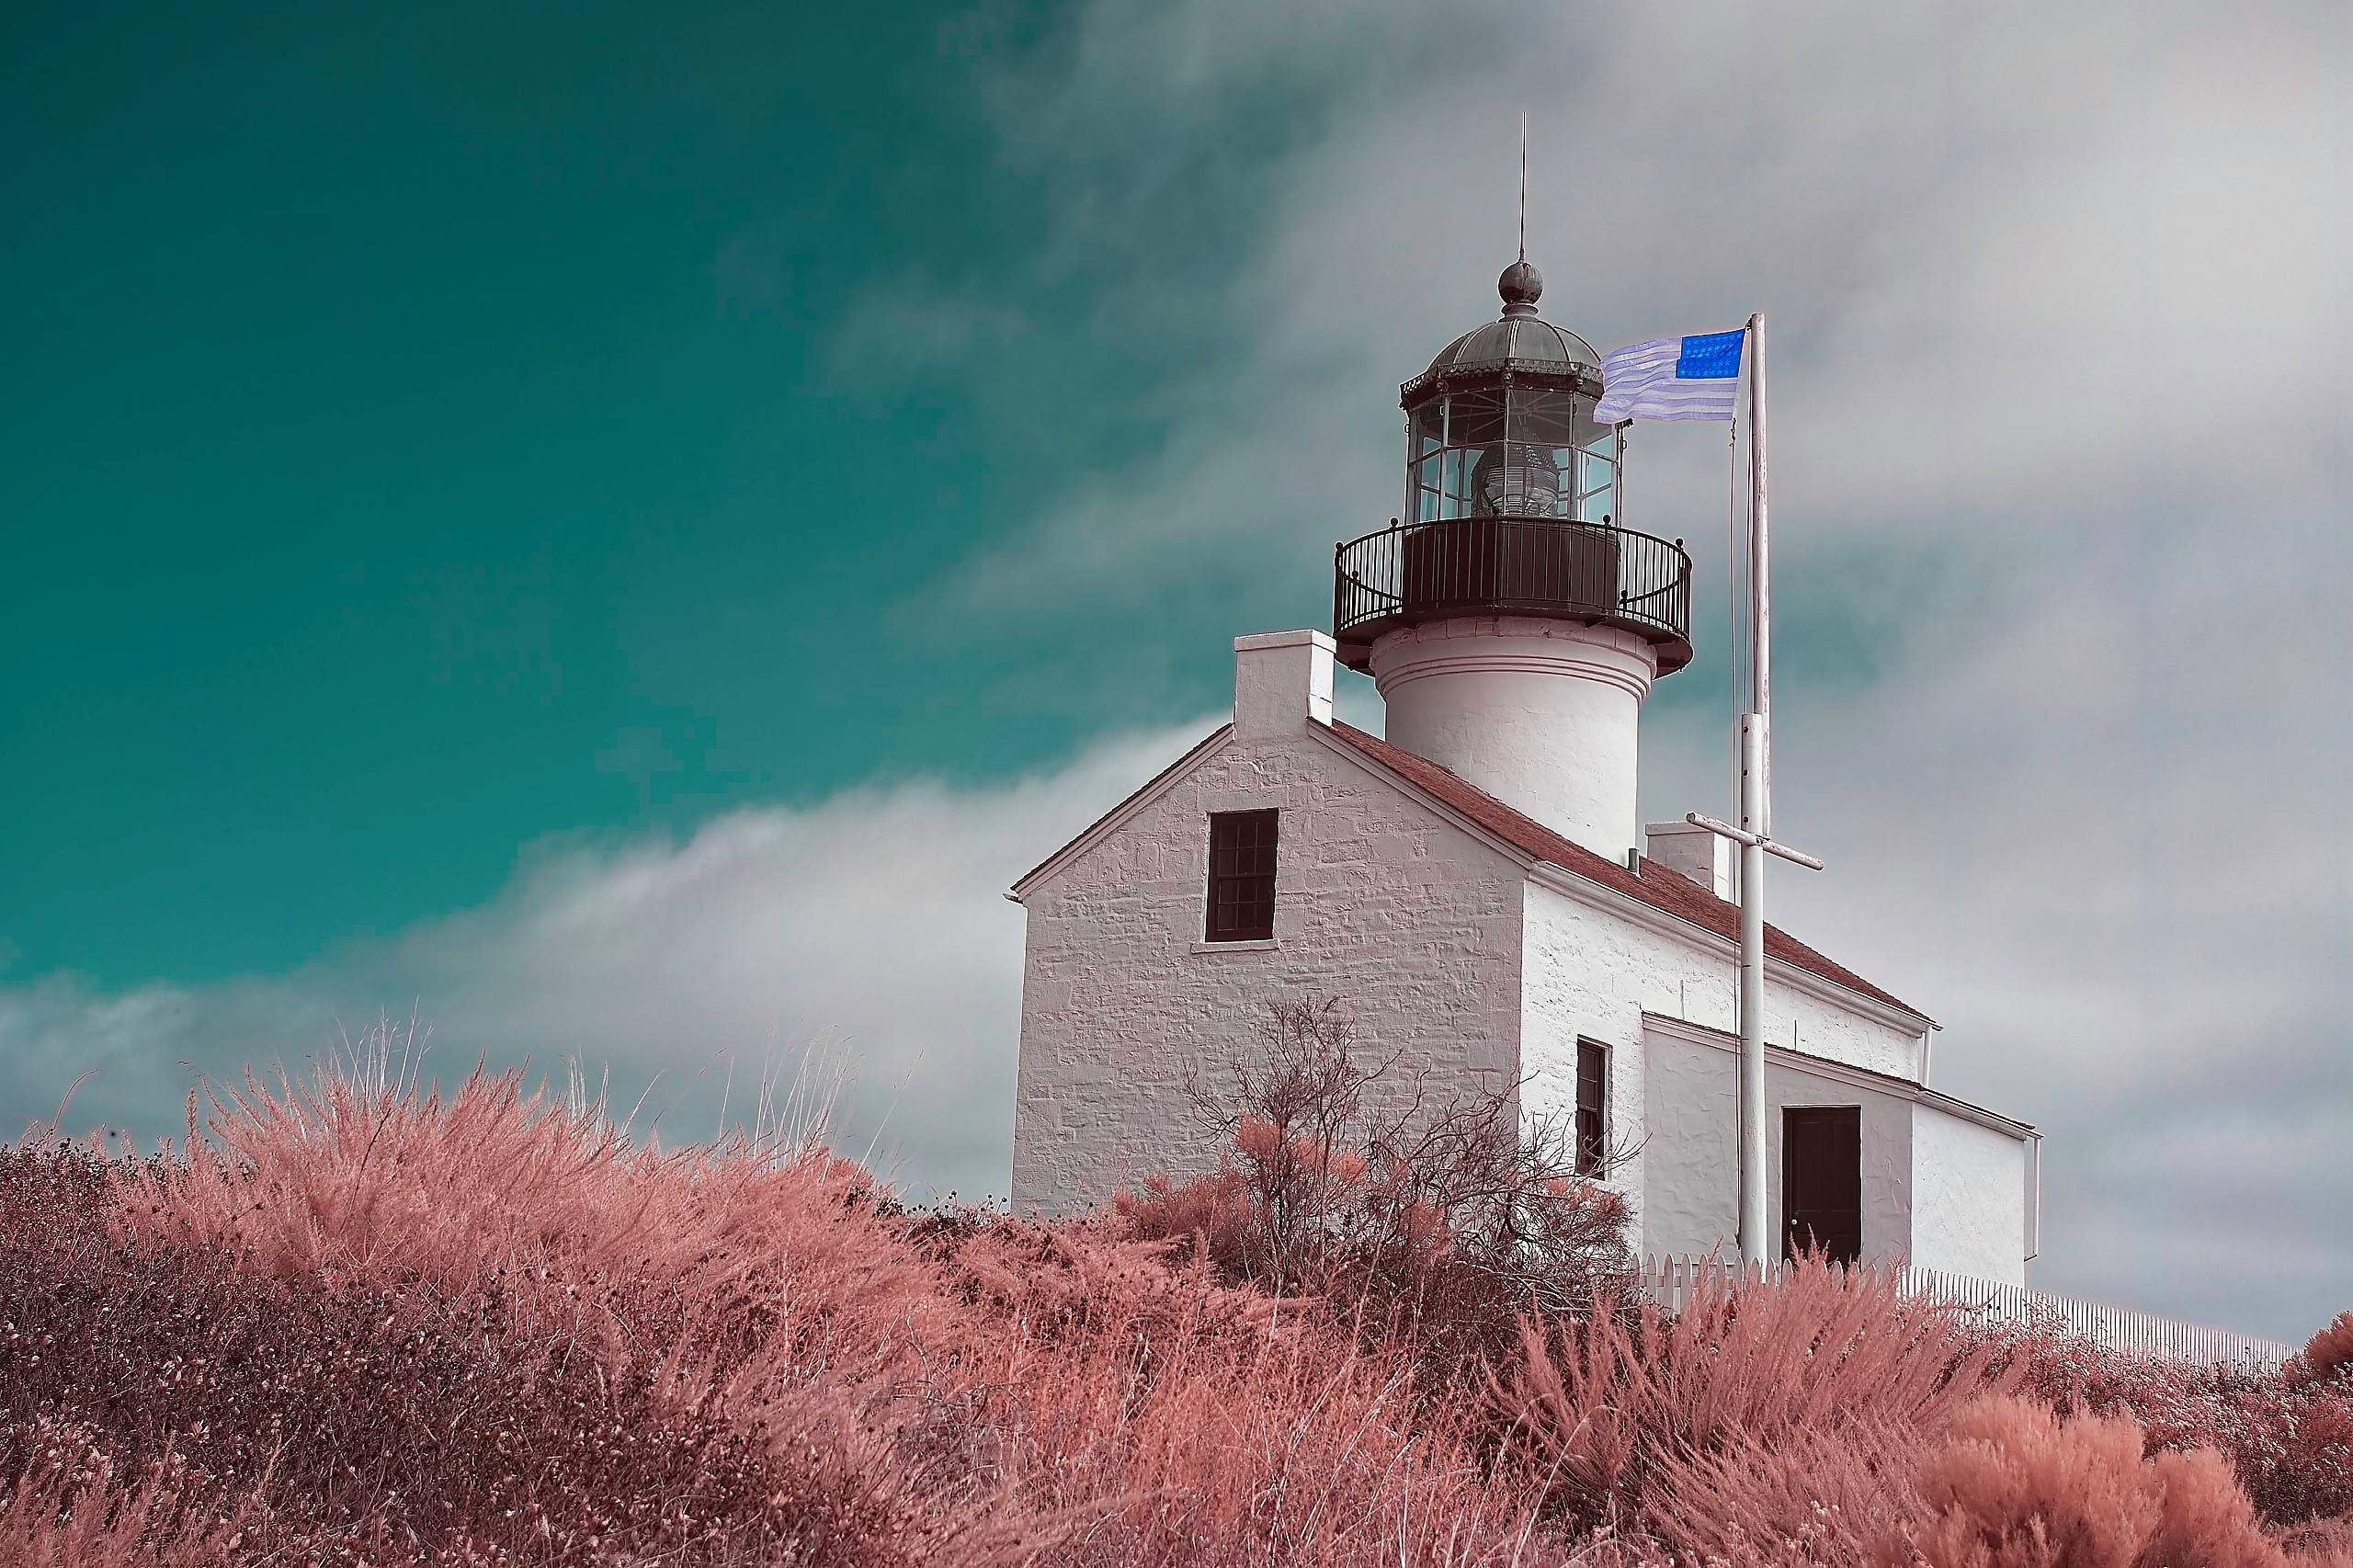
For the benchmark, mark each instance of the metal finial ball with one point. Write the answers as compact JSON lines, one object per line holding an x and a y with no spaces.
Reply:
{"x":1521,"y":284}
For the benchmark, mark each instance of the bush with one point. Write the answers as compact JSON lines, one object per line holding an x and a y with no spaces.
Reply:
{"x":359,"y":1322}
{"x":351,"y":1419}
{"x":1438,"y":1226}
{"x":2018,"y":1486}
{"x":383,"y":1327}
{"x":1615,"y":1414}
{"x":2289,"y":1436}
{"x":2329,"y":1353}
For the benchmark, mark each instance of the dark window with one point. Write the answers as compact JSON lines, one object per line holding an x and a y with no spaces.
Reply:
{"x":1242,"y":876}
{"x":1821,"y":1181}
{"x":1592,"y":1108}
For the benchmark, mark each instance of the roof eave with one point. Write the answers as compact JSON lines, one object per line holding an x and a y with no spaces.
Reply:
{"x":1584,"y":378}
{"x":1576,"y":884}
{"x":1103,"y":826}
{"x":1885,"y":1009}
{"x":1805,"y":1061}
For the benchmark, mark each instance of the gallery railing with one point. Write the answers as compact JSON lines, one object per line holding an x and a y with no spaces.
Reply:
{"x":1537,"y":566}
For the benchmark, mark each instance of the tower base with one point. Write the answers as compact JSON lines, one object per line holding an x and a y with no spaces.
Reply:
{"x":1543,"y":714}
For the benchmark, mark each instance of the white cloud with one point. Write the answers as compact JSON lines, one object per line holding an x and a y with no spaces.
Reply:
{"x":875,"y":921}
{"x":2059,"y":312}
{"x":2059,"y":333}
{"x":2026,"y":264}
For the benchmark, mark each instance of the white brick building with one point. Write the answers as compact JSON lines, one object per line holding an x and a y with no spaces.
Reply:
{"x":1473,"y":887}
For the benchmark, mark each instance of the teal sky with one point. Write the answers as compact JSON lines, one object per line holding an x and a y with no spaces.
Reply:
{"x":626,"y":527}
{"x":434,"y":429}
{"x":426,"y":430}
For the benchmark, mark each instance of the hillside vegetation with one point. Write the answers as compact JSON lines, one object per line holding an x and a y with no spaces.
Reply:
{"x":357,"y":1322}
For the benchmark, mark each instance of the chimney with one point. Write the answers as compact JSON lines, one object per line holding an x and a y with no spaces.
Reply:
{"x":1281,"y":680}
{"x":1705,"y":858}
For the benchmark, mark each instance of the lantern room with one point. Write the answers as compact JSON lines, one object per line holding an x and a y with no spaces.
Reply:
{"x":1514,"y":498}
{"x":1501,"y":423}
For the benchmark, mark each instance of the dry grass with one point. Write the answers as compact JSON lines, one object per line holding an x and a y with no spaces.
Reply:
{"x":356,"y":1322}
{"x":1613,"y":1412}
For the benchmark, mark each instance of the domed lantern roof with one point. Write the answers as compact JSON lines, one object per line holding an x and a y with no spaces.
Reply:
{"x":1520,"y":343}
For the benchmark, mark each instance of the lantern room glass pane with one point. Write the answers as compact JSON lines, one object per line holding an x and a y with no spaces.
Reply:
{"x":1428,"y":432}
{"x":1474,"y":419}
{"x":1535,"y":452}
{"x":1430,"y":489}
{"x":1543,"y":417}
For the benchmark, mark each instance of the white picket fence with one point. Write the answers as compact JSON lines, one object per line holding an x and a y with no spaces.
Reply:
{"x":1673,"y":1281}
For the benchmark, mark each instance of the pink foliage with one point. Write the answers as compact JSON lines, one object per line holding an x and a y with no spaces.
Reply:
{"x":359,"y":1323}
{"x":2016,"y":1485}
{"x":1611,"y":1410}
{"x":2330,"y":1352}
{"x":394,"y":1330}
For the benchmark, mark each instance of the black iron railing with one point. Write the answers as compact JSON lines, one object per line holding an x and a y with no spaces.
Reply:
{"x":1540,"y":566}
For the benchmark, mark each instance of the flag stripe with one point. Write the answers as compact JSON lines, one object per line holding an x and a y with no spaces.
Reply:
{"x":1642,"y":381}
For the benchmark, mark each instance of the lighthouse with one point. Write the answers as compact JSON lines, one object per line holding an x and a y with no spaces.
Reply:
{"x":1512,"y":621}
{"x":1473,"y":888}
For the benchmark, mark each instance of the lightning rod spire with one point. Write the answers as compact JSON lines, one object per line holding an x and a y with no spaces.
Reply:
{"x":1523,"y":185}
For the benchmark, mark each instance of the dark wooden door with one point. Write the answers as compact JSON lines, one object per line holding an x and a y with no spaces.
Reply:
{"x":1821,"y":1181}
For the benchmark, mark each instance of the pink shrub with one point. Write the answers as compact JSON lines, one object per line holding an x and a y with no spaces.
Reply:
{"x":2329,"y":1352}
{"x":1828,"y":1496}
{"x":342,"y":1417}
{"x":69,"y":1509}
{"x":1608,"y":1408}
{"x":362,"y":1323}
{"x":2288,"y":1436}
{"x":1432,"y":1225}
{"x":885,"y":1389}
{"x":1205,"y":1424}
{"x":2018,"y":1486}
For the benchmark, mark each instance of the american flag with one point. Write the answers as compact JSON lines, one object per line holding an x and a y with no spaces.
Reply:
{"x":1672,"y":378}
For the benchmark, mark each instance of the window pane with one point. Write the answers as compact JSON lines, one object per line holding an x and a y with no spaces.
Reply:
{"x":1429,"y":499}
{"x":1242,"y":876}
{"x":1593,"y":1105}
{"x":1476,"y":419}
{"x":1518,"y":481}
{"x":1544,"y":417}
{"x":1429,"y":427}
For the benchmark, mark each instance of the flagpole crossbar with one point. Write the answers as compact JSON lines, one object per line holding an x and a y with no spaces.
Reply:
{"x":1757,"y":841}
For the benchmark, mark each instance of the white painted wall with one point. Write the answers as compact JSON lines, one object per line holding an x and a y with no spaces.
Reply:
{"x":1970,"y":1190}
{"x":1691,"y":1181}
{"x":1378,"y":899}
{"x":1690,"y":1202}
{"x":1481,"y":970}
{"x":1542,"y":714}
{"x":1593,"y":966}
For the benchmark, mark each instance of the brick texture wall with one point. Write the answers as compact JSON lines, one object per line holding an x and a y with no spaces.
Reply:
{"x":1379,"y":900}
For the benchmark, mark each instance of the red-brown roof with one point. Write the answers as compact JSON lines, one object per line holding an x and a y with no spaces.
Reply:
{"x":1660,"y":889}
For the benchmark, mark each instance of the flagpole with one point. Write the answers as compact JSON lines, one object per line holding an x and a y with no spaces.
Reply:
{"x":1756,"y":824}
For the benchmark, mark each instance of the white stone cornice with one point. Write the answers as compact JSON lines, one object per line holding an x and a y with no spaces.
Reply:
{"x":1108,"y":823}
{"x":1520,"y":661}
{"x":1843,"y":1073}
{"x":1601,"y":896}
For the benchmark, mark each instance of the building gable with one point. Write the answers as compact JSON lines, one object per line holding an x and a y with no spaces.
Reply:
{"x":1383,"y":900}
{"x":1667,"y":891}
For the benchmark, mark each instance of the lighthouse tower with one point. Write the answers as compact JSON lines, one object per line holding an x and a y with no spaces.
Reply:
{"x":1512,"y":621}
{"x":1466,"y":893}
